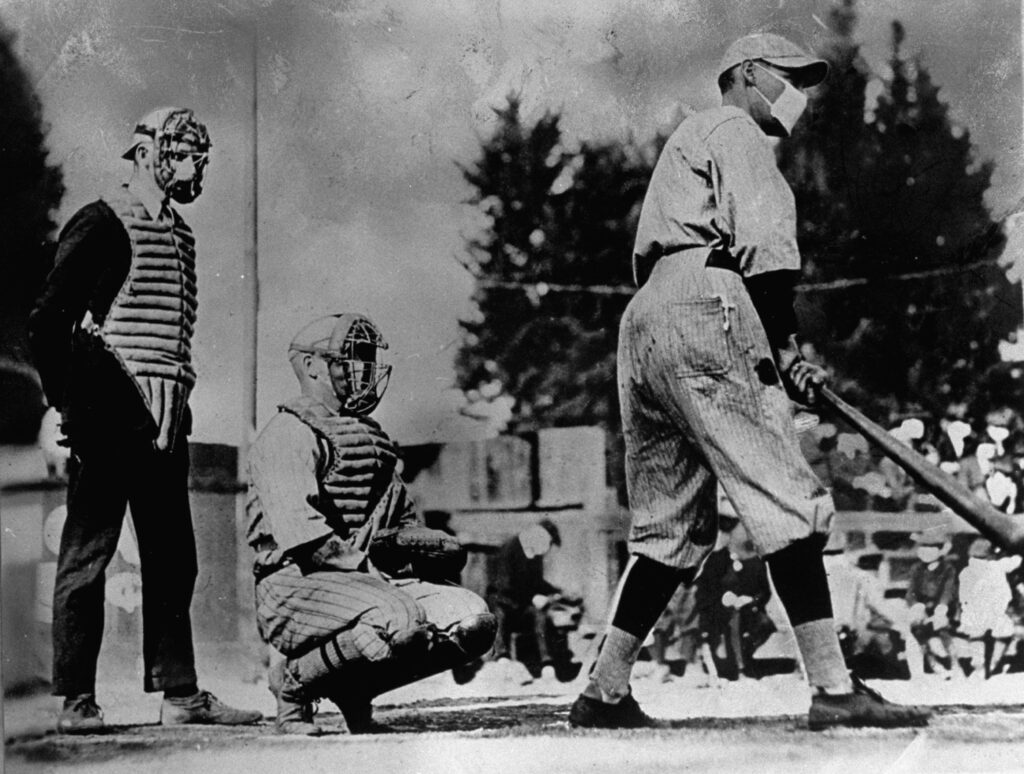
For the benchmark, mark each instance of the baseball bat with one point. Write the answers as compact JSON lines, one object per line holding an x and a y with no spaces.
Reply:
{"x":1002,"y":529}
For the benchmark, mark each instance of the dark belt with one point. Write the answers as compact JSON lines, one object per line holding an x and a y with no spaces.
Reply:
{"x":722,"y":259}
{"x":260,"y":571}
{"x":717,"y":259}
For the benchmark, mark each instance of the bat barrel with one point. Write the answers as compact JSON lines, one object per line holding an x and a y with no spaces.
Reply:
{"x":1001,"y":528}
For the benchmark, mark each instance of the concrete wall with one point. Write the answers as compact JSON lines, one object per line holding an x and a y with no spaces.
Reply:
{"x":32,"y":513}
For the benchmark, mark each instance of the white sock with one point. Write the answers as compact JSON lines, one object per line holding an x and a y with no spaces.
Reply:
{"x":614,"y":664}
{"x":823,"y":658}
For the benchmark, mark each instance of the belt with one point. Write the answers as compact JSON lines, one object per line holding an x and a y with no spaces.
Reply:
{"x":261,"y":571}
{"x":722,"y":259}
{"x":717,"y":258}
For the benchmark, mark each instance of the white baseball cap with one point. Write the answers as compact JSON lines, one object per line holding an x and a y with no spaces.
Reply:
{"x":778,"y":51}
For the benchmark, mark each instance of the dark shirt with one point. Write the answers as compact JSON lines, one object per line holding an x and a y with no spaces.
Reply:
{"x":81,"y":377}
{"x":515,"y":579}
{"x":934,"y":586}
{"x":743,"y":577}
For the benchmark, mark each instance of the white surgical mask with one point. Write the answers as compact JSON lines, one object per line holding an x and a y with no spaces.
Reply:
{"x":789,"y":106}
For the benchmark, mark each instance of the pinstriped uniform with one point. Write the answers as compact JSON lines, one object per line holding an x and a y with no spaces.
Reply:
{"x":287,"y":510}
{"x":695,"y":411}
{"x":296,"y":612}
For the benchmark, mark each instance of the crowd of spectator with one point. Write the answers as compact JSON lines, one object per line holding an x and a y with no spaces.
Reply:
{"x":954,"y":609}
{"x":957,"y":610}
{"x":960,"y":613}
{"x":986,"y":457}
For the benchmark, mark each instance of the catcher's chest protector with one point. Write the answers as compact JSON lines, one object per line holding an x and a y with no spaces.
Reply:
{"x":359,"y":462}
{"x":150,"y":322}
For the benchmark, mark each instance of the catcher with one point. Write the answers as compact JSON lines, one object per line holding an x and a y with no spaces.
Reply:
{"x":344,"y":566}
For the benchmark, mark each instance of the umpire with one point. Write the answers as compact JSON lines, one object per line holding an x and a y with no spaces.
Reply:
{"x":707,"y":363}
{"x":111,"y":336}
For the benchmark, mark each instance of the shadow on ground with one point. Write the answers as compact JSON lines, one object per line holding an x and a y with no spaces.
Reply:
{"x":494,"y":717}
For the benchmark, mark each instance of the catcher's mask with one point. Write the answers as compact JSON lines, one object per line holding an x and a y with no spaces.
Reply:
{"x":351,"y":345}
{"x":181,"y":150}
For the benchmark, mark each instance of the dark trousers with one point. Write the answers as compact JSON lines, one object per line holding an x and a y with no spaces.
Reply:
{"x":525,"y":619}
{"x":104,"y":477}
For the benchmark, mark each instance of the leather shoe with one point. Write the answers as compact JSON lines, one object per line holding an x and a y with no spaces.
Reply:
{"x":203,"y":707}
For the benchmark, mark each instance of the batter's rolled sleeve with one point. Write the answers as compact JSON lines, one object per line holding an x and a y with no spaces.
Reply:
{"x":282,"y":469}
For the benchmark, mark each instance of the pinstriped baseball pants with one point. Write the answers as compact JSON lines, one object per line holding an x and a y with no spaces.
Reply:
{"x":297,"y":612}
{"x":695,"y":413}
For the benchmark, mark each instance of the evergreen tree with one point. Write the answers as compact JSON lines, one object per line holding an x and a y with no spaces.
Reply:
{"x":30,"y":191}
{"x":895,"y":202}
{"x":883,"y":191}
{"x":556,"y":218}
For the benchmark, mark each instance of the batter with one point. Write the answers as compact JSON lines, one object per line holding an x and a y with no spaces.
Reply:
{"x":708,"y":362}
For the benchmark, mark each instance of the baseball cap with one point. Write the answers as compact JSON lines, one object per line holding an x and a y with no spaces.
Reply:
{"x":549,"y":526}
{"x":327,"y":334}
{"x":778,"y":51}
{"x":933,"y":536}
{"x":154,"y":122}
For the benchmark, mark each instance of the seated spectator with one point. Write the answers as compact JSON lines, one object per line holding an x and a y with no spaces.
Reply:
{"x":732,"y":591}
{"x":985,"y":596}
{"x":932,"y":598}
{"x":873,"y":631}
{"x":971,"y":472}
{"x":676,"y":638}
{"x":1001,"y":486}
{"x":900,"y":487}
{"x":849,"y":461}
{"x":521,"y":598}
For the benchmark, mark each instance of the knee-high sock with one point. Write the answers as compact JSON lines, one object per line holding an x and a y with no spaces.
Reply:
{"x":802,"y":585}
{"x":326,"y":660}
{"x":646,"y":589}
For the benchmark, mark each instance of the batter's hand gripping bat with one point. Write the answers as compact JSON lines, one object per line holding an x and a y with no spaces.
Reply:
{"x":1002,"y":529}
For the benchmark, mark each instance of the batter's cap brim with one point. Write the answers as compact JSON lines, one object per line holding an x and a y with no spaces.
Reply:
{"x":805,"y":71}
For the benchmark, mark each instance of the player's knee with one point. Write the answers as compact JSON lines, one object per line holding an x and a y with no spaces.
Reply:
{"x":411,"y":642}
{"x":401,"y":613}
{"x":475,"y":633}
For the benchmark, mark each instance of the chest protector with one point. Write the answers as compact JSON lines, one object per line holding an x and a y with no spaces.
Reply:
{"x":150,"y":322}
{"x":358,"y":462}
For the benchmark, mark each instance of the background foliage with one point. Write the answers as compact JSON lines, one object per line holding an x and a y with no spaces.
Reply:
{"x":902,"y":298}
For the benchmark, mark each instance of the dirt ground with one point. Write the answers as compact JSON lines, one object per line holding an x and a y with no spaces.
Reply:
{"x":528,"y":733}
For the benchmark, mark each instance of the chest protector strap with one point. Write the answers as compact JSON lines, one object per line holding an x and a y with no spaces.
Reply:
{"x":358,"y":463}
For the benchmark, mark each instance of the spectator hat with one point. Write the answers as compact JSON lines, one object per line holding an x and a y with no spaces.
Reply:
{"x":980,"y":548}
{"x":806,"y":70}
{"x":933,"y":536}
{"x":552,"y":529}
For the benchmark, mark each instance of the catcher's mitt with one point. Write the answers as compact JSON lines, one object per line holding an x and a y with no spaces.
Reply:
{"x":420,"y":551}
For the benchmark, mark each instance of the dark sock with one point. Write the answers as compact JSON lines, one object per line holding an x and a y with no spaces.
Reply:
{"x":798,"y":573}
{"x":646,"y":590}
{"x":181,"y":691}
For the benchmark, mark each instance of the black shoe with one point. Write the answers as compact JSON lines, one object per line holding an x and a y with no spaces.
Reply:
{"x":594,"y":713}
{"x":862,"y":707}
{"x":358,"y":714}
{"x":80,"y":715}
{"x":464,"y":673}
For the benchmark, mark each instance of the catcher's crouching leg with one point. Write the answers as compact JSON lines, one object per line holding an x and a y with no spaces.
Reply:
{"x":463,"y":641}
{"x":340,"y":661}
